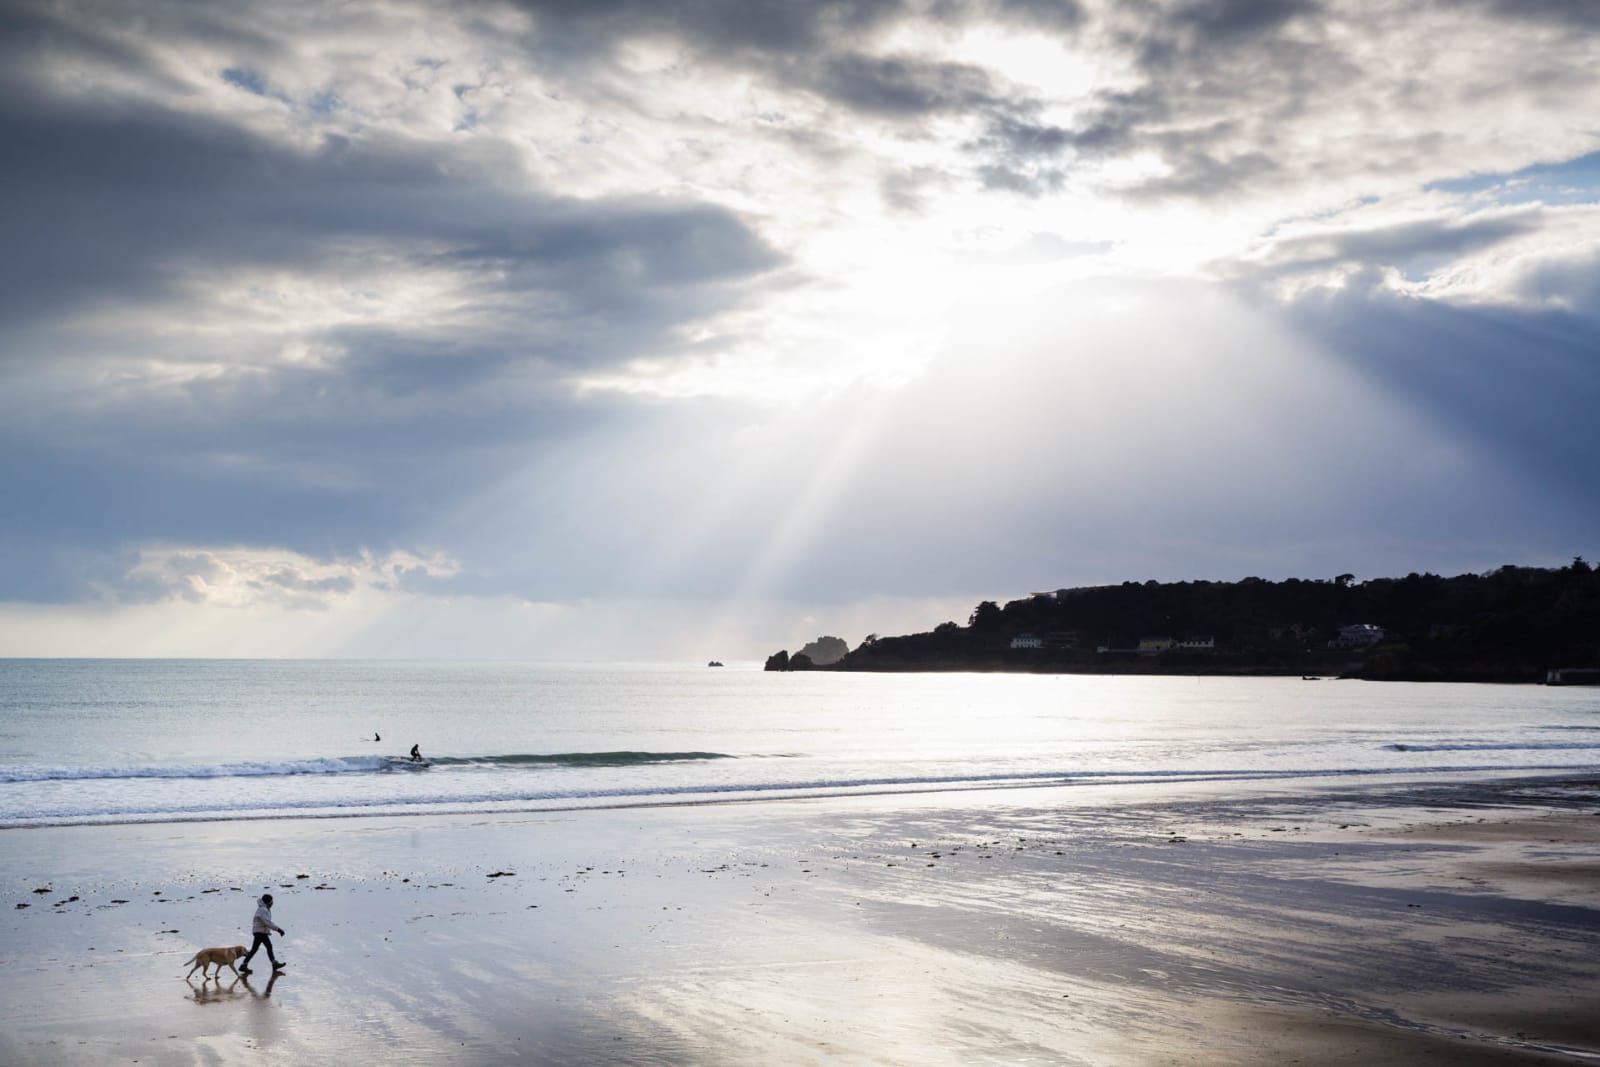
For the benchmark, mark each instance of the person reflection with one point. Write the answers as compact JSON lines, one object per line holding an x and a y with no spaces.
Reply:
{"x":266,"y":990}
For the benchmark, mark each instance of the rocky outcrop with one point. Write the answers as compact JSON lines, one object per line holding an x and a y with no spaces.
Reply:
{"x":825,"y":651}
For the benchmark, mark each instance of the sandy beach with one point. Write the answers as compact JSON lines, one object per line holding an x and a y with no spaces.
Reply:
{"x":1451,"y":924}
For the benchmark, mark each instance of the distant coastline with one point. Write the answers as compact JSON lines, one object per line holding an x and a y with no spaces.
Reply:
{"x":1510,"y":625}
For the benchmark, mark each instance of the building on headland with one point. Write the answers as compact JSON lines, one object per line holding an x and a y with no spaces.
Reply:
{"x":1154,"y":646}
{"x":1360,"y":635}
{"x":1027,"y":641}
{"x":1196,"y":644}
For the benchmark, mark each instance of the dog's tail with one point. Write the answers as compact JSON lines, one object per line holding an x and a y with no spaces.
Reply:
{"x":191,"y":959}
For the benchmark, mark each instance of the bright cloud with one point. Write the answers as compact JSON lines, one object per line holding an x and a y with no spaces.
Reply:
{"x":247,"y":578}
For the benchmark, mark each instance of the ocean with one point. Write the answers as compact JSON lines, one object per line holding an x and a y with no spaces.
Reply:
{"x":125,"y":741}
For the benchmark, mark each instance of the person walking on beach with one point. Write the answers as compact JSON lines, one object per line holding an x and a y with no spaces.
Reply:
{"x":262,"y":926}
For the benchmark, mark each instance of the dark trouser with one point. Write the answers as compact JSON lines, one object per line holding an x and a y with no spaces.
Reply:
{"x":261,"y":939}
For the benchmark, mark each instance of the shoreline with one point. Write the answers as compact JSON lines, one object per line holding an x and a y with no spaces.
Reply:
{"x":1070,"y":926}
{"x":912,"y":792}
{"x":1129,"y":669}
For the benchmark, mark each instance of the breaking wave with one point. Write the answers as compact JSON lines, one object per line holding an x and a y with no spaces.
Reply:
{"x":1518,"y":746}
{"x":350,"y":765}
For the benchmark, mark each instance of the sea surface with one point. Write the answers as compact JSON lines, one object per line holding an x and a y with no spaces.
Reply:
{"x":117,"y":741}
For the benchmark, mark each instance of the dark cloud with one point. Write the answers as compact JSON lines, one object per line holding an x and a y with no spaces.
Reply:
{"x":1413,"y":248}
{"x":816,"y":47}
{"x":1199,"y":25}
{"x":1211,"y":50}
{"x":1110,"y":126}
{"x":1022,"y":155}
{"x":1057,"y":15}
{"x":34,"y":35}
{"x":111,"y":199}
{"x":767,"y":28}
{"x":1203,"y":175}
{"x":1575,"y":14}
{"x":1221,"y":80}
{"x":123,"y":203}
{"x":903,"y":86}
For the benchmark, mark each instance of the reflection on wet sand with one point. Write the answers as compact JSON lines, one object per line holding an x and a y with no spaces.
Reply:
{"x":266,"y":990}
{"x":262,"y":1014}
{"x":211,"y":990}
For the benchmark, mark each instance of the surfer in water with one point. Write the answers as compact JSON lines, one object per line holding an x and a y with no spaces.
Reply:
{"x":416,"y":754}
{"x":375,"y":736}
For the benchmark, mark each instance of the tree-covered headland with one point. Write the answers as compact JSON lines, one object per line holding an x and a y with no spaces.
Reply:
{"x":1514,"y":624}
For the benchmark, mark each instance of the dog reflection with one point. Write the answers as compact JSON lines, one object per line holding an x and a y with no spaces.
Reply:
{"x":212,"y":991}
{"x":207,"y":993}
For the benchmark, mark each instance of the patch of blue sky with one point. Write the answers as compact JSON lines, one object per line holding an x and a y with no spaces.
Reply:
{"x":1575,"y":181}
{"x":251,"y":81}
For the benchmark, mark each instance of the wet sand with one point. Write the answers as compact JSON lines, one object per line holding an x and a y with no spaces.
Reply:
{"x":1065,"y":926}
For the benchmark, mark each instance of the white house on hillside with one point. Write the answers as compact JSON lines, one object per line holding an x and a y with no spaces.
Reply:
{"x":1360,"y":635}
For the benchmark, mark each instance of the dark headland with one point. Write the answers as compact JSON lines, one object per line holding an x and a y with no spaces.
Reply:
{"x":1514,"y":624}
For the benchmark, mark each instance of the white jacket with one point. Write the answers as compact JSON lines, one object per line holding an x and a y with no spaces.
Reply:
{"x":262,"y":923}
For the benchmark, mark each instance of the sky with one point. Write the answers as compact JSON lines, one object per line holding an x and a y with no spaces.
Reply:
{"x":693,"y":329}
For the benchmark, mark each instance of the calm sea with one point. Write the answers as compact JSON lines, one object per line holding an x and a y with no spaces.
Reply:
{"x":109,"y":741}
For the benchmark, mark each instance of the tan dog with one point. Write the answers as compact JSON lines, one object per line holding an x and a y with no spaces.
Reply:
{"x":222,"y":957}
